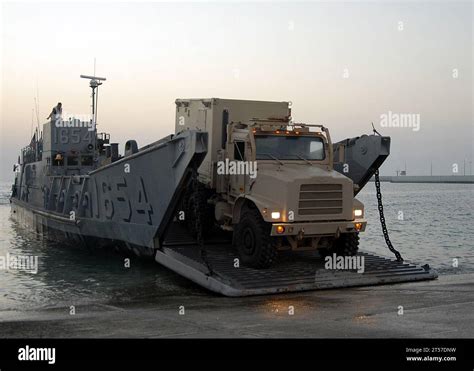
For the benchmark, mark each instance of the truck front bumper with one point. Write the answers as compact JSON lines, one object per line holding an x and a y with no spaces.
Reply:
{"x":313,"y":229}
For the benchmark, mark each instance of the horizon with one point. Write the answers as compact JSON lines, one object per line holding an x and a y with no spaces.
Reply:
{"x":341,"y":65}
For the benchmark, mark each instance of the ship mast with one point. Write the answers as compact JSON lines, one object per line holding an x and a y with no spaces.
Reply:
{"x":95,"y":82}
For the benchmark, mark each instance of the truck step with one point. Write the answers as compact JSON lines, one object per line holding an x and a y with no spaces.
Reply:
{"x":293,"y":272}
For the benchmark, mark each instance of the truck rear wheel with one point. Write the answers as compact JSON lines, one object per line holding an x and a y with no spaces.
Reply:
{"x":347,"y":244}
{"x":253,"y":241}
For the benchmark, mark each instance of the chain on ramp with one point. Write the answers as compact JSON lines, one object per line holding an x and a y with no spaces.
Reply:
{"x":382,"y":218}
{"x":198,"y":222}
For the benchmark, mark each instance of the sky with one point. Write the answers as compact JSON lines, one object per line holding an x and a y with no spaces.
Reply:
{"x":341,"y":64}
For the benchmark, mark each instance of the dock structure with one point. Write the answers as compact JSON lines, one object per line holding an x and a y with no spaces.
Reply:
{"x":460,"y":179}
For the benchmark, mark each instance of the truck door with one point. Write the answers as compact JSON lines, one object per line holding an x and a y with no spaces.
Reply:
{"x":238,"y":180}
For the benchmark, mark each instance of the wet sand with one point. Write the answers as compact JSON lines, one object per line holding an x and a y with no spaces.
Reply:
{"x":442,"y":308}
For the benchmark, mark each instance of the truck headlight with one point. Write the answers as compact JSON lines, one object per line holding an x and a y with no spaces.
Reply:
{"x":358,"y":212}
{"x":275,"y":215}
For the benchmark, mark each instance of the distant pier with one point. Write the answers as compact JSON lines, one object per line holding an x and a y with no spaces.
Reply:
{"x":464,"y":179}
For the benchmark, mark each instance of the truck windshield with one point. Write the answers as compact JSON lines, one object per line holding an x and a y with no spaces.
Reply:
{"x":289,"y":147}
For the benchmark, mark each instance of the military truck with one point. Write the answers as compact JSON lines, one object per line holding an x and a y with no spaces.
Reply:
{"x":270,"y":181}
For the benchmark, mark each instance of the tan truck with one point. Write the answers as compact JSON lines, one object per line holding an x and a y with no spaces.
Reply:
{"x":270,"y":181}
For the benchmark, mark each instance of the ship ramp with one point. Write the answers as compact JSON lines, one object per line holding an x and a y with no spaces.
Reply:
{"x":217,"y":269}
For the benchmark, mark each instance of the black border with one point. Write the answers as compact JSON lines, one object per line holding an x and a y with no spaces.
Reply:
{"x":382,"y":353}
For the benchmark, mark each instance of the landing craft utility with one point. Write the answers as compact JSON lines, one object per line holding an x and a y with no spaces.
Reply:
{"x":177,"y":201}
{"x":72,"y":185}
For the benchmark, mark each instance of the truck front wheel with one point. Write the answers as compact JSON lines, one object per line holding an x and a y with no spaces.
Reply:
{"x":253,"y":241}
{"x":347,"y":244}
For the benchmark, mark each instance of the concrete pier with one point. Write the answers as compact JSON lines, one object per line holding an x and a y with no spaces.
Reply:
{"x":465,"y":179}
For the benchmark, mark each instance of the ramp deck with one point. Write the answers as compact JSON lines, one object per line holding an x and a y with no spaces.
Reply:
{"x":292,"y":272}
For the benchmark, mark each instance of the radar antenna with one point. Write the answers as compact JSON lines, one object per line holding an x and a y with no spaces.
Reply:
{"x":95,"y":82}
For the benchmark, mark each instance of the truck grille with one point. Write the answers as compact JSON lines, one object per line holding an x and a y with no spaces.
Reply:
{"x":320,"y":199}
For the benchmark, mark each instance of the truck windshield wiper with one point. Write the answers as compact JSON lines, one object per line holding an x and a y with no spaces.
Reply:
{"x":273,"y":157}
{"x":304,"y":159}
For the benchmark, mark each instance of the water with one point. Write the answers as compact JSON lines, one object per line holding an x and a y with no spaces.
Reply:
{"x":437,"y":227}
{"x":68,"y":276}
{"x":428,"y":223}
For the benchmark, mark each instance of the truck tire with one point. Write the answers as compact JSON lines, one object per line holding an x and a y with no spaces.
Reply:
{"x":253,"y":242}
{"x":347,"y":244}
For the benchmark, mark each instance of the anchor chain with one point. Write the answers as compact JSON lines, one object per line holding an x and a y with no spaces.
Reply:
{"x":382,"y":218}
{"x":198,"y":222}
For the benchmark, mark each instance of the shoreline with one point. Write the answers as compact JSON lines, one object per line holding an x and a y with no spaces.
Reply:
{"x":431,"y":309}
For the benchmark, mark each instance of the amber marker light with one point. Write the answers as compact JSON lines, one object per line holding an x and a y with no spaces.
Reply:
{"x":280,"y":229}
{"x":358,"y":226}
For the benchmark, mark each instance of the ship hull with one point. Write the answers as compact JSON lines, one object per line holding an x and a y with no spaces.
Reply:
{"x":62,"y":230}
{"x":127,"y":204}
